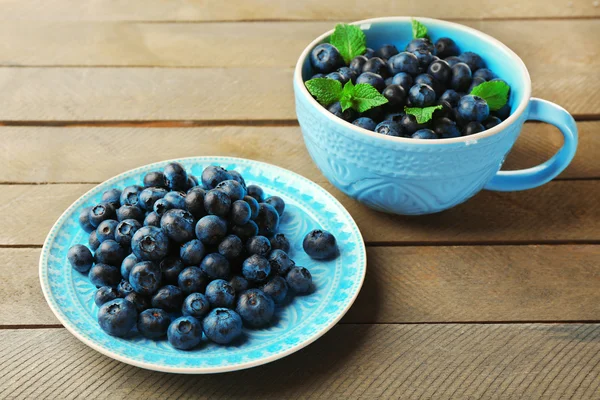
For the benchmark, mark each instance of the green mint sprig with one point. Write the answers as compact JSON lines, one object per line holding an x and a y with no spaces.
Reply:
{"x":325,"y":90}
{"x":495,"y":93}
{"x":361,"y":97}
{"x":418,"y":29}
{"x":350,"y":41}
{"x":422,"y":114}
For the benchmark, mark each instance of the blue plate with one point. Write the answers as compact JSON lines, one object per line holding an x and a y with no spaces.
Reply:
{"x":308,"y":206}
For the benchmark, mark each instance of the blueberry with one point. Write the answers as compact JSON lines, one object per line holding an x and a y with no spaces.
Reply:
{"x":357,"y":63}
{"x":256,"y":192}
{"x":320,"y":245}
{"x":231,"y":247}
{"x":365,"y":123}
{"x":473,"y":60}
{"x":196,"y":305}
{"x":461,"y":77}
{"x":161,"y":206}
{"x":140,"y":301}
{"x":155,"y":179}
{"x":220,"y":294}
{"x":474,"y":83}
{"x":233,"y":189}
{"x":425,"y":134}
{"x":377,"y":66}
{"x":389,"y":128}
{"x":130,"y":212}
{"x":149,"y":196}
{"x":125,"y":230}
{"x":253,"y":206}
{"x":371,"y":79}
{"x":336,"y":76}
{"x":267,"y":220}
{"x":110,"y":252}
{"x":446,"y":47}
{"x":80,"y":257}
{"x":178,"y":225}
{"x":484,"y":74}
{"x":279,"y":241}
{"x":503,"y":112}
{"x":216,"y":202}
{"x":84,"y":220}
{"x":445,"y":112}
{"x":409,"y":124}
{"x":152,"y":219}
{"x":185,"y":333}
{"x":426,"y":79}
{"x":112,"y":196}
{"x":117,"y":317}
{"x":215,"y":266}
{"x":168,"y":298}
{"x":145,"y":277}
{"x":421,"y":95}
{"x":473,"y":108}
{"x":194,"y":202}
{"x":130,"y":195}
{"x":105,"y":294}
{"x":175,"y":176}
{"x":299,"y":279}
{"x":277,"y":203}
{"x":192,"y":279}
{"x":124,"y":288}
{"x":104,"y":275}
{"x":404,"y":62}
{"x":276,"y":288}
{"x":192,"y":252}
{"x":375,"y":113}
{"x":213,"y":175}
{"x":153,"y":323}
{"x":150,"y":243}
{"x":127,"y":264}
{"x":403,"y":79}
{"x":316,"y":76}
{"x":394,"y":116}
{"x":241,"y":212}
{"x":256,"y":268}
{"x":440,"y":70}
{"x":420,"y":44}
{"x":255,"y":308}
{"x":211,"y":229}
{"x":170,"y":268}
{"x":386,"y":51}
{"x":446,"y":128}
{"x":472,"y":128}
{"x":101,"y":212}
{"x":452,"y":61}
{"x":222,"y":326}
{"x":258,"y":245}
{"x":245,"y":231}
{"x":173,"y":200}
{"x":396,"y":95}
{"x":451,"y":97}
{"x":239,"y":283}
{"x":280,"y":262}
{"x":106,"y":230}
{"x":336,"y":109}
{"x":192,"y":181}
{"x":369,"y":53}
{"x":348,"y":74}
{"x":424,"y":57}
{"x":236,"y":176}
{"x":326,"y":58}
{"x":491,"y":122}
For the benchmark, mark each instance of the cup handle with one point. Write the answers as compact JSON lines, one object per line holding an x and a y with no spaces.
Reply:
{"x":523,"y":179}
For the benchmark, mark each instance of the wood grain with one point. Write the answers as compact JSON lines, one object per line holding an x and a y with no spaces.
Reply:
{"x":541,"y":361}
{"x":236,"y":10}
{"x":408,"y":284}
{"x":271,"y":44}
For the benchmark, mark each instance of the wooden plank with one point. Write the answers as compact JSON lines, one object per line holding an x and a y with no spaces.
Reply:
{"x":408,"y":284}
{"x":236,"y":10}
{"x":273,"y":44}
{"x":30,"y":153}
{"x":545,"y":361}
{"x":559,"y":211}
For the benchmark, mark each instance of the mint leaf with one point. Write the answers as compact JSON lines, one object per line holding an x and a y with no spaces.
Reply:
{"x":350,"y":41}
{"x":495,"y":93}
{"x":419,"y":30}
{"x":422,"y":114}
{"x":325,"y":90}
{"x":366,"y":97}
{"x":347,"y":96}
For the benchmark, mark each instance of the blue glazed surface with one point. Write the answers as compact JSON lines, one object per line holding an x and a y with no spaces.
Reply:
{"x":408,"y":176}
{"x":308,"y":206}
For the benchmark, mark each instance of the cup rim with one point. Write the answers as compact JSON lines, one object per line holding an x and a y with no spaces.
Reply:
{"x":299,"y":85}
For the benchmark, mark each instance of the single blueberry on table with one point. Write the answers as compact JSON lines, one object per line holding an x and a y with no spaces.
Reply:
{"x":192,"y":279}
{"x":446,"y":47}
{"x":425,"y":134}
{"x":233,"y":189}
{"x":491,"y":122}
{"x":420,"y":44}
{"x":348,"y":74}
{"x":84,"y":220}
{"x":175,"y":176}
{"x":267,"y":220}
{"x":253,"y":206}
{"x":472,"y":128}
{"x":110,"y":252}
{"x":389,"y":128}
{"x":178,"y":225}
{"x":231,"y":247}
{"x":153,"y":323}
{"x":220,"y":294}
{"x":192,"y":252}
{"x":336,"y":76}
{"x":276,"y":288}
{"x":194,"y":202}
{"x":473,"y":60}
{"x":440,"y":70}
{"x":396,"y":95}
{"x":258,"y":245}
{"x":155,"y":179}
{"x":130,"y":212}
{"x":145,"y":277}
{"x":403,"y":62}
{"x":150,"y":243}
{"x":241,"y":212}
{"x":171,"y":267}
{"x":196,"y":305}
{"x":484,"y":74}
{"x":106,"y":230}
{"x":216,"y":202}
{"x":105,"y":294}
{"x":131,"y":195}
{"x":104,"y":275}
{"x":326,"y":58}
{"x":473,"y":108}
{"x":236,"y":176}
{"x":185,"y":333}
{"x":446,"y":128}
{"x":124,"y":288}
{"x":336,"y":109}
{"x":357,"y":63}
{"x":377,"y":66}
{"x":125,"y":231}
{"x":452,"y":61}
{"x":213,"y":175}
{"x":451,"y":96}
{"x":461,"y":77}
{"x":152,"y":219}
{"x":112,"y":196}
{"x":299,"y":279}
{"x":280,"y":262}
{"x":239,"y":283}
{"x":403,"y":79}
{"x":279,"y":241}
{"x":149,"y":196}
{"x":127,"y":264}
{"x":256,"y":268}
{"x":256,"y":192}
{"x":256,"y":308}
{"x":117,"y":317}
{"x":372,"y":79}
{"x":365,"y":123}
{"x":386,"y":51}
{"x":410,"y":125}
{"x":140,"y":301}
{"x":246,"y":231}
{"x":101,"y":212}
{"x":320,"y":245}
{"x":222,"y":326}
{"x":168,"y":298}
{"x":421,"y":95}
{"x":210,"y":230}
{"x":80,"y":258}
{"x":215,"y":266}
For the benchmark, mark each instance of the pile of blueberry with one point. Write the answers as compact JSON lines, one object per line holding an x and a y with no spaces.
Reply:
{"x":177,"y":259}
{"x":424,"y":75}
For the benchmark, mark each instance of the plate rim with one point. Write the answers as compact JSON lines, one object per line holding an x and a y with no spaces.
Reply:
{"x":65,"y":322}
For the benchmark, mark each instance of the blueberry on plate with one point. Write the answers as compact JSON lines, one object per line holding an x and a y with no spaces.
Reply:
{"x":446,"y":47}
{"x":124,"y":288}
{"x":258,"y":245}
{"x":216,"y":266}
{"x":80,"y":258}
{"x":347,"y":115}
{"x":112,"y":196}
{"x":357,"y":63}
{"x":217,"y":202}
{"x":101,"y":212}
{"x":267,"y":220}
{"x":256,"y":268}
{"x":372,"y":79}
{"x":155,"y":179}
{"x":239,"y":283}
{"x":299,"y":279}
{"x":446,"y":128}
{"x":276,"y":288}
{"x":253,"y":203}
{"x":192,"y":181}
{"x":246,"y":231}
{"x":130,"y":195}
{"x":130,"y":212}
{"x":145,"y":277}
{"x":420,"y":44}
{"x":473,"y":108}
{"x":365,"y":123}
{"x":236,"y":176}
{"x":425,"y":134}
{"x":233,"y":189}
{"x":421,"y":95}
{"x":175,"y":175}
{"x":110,"y":252}
{"x":185,"y":333}
{"x":171,"y":200}
{"x":389,"y":128}
{"x":440,"y":70}
{"x":320,"y":245}
{"x":140,"y":301}
{"x":150,"y":243}
{"x":277,"y":203}
{"x":125,"y":231}
{"x":461,"y":77}
{"x":473,"y":60}
{"x":241,"y":212}
{"x":222,"y":326}
{"x":377,"y":66}
{"x":84,"y":220}
{"x":171,"y":267}
{"x":168,"y":298}
{"x":255,"y":307}
{"x":149,"y":196}
{"x":106,"y":230}
{"x":256,"y":192}
{"x":153,"y":323}
{"x":192,"y":279}
{"x":491,"y":122}
{"x":220,"y":294}
{"x":152,"y":219}
{"x":196,"y":305}
{"x":472,"y":128}
{"x":280,"y":262}
{"x":117,"y":317}
{"x":450,"y":96}
{"x":194,"y":202}
{"x":213,"y":175}
{"x":105,"y":294}
{"x":211,"y":229}
{"x":279,"y":241}
{"x":386,"y":51}
{"x":178,"y":225}
{"x":231,"y":247}
{"x":127,"y":264}
{"x":396,"y":95}
{"x":192,"y":252}
{"x":326,"y":58}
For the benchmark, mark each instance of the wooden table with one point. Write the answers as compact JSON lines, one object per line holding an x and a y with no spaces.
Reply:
{"x":497,"y":298}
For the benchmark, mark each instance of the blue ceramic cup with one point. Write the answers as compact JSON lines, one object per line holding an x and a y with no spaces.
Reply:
{"x":418,"y":176}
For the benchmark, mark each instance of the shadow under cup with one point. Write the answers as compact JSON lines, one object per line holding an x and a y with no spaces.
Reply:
{"x":417,"y":176}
